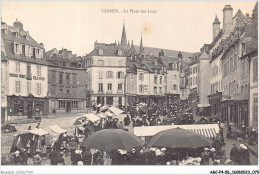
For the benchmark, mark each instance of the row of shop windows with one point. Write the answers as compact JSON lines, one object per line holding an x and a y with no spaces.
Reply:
{"x":74,"y":104}
{"x":18,"y":108}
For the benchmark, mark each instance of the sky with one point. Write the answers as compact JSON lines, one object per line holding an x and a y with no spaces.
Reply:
{"x":182,"y":26}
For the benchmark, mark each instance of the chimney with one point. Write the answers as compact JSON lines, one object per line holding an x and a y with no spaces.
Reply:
{"x":216,"y":27}
{"x":227,"y":20}
{"x":95,"y":44}
{"x":42,"y":45}
{"x":180,"y":55}
{"x":161,"y":54}
{"x":17,"y":24}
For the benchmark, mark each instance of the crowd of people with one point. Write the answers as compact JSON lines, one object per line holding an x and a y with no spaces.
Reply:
{"x":69,"y":145}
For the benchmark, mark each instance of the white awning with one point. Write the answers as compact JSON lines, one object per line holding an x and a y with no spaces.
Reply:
{"x":39,"y":132}
{"x":203,"y":105}
{"x":57,"y":129}
{"x":101,"y":115}
{"x":92,"y":117}
{"x":115,"y":110}
{"x":208,"y":130}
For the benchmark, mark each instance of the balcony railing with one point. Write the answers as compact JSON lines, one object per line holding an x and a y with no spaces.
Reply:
{"x":109,"y":91}
{"x":119,"y":91}
{"x":100,"y":92}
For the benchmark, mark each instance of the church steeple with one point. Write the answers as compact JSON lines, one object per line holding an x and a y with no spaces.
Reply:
{"x":123,"y":38}
{"x":141,"y":50}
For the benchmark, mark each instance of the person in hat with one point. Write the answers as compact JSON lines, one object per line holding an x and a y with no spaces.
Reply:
{"x":245,"y":155}
{"x":212,"y":155}
{"x":205,"y":157}
{"x":77,"y":157}
{"x":17,"y":158}
{"x":234,"y":153}
{"x":37,"y":159}
{"x":54,"y":157}
{"x":24,"y":156}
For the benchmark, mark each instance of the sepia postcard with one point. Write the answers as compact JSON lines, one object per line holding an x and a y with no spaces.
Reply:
{"x":129,"y":87}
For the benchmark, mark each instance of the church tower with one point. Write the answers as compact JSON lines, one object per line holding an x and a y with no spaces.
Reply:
{"x":141,"y":50}
{"x":216,"y":27}
{"x":123,"y":38}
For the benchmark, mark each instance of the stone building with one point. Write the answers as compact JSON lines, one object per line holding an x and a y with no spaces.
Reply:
{"x":67,"y":82}
{"x":26,"y":68}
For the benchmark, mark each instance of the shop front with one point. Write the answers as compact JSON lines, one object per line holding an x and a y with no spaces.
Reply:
{"x":215,"y":104}
{"x":27,"y":106}
{"x":173,"y":99}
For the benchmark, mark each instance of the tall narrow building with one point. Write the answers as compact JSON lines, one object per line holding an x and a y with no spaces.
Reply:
{"x":141,"y":50}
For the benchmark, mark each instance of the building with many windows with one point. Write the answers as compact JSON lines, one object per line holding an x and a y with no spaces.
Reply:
{"x":27,"y":84}
{"x":66,"y":82}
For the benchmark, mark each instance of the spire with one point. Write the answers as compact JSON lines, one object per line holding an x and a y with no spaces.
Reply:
{"x":141,"y":45}
{"x":132,"y":42}
{"x":123,"y":37}
{"x":216,"y":21}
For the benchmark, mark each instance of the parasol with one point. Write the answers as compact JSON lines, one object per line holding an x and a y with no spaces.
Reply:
{"x":179,"y":138}
{"x":109,"y":139}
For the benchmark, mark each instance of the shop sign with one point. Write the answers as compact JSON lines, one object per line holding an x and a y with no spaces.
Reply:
{"x":17,"y":75}
{"x":38,"y":78}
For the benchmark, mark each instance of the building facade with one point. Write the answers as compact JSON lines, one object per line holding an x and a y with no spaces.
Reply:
{"x":67,"y":82}
{"x":27,"y":73}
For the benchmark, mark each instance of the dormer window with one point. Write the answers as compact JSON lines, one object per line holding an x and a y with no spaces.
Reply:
{"x":16,"y":34}
{"x":27,"y":37}
{"x":120,"y":52}
{"x":6,"y":30}
{"x":100,"y":52}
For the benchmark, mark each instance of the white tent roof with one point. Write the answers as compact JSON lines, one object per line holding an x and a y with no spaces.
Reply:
{"x":115,"y":110}
{"x":109,"y":114}
{"x":208,"y":130}
{"x":39,"y":132}
{"x":92,"y":117}
{"x":57,"y":129}
{"x":101,"y":115}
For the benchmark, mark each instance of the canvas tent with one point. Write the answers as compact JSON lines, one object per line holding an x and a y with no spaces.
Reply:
{"x":92,"y":117}
{"x":207,"y":130}
{"x":115,"y":110}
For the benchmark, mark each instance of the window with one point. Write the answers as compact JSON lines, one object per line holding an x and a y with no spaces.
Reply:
{"x":231,"y":64}
{"x":120,"y":52}
{"x":17,"y":66}
{"x":141,"y":76}
{"x":100,"y":52}
{"x":255,"y":71}
{"x":39,"y":71}
{"x":60,"y":91}
{"x":100,"y":87}
{"x":61,"y":104}
{"x":141,"y":88}
{"x":68,"y":78}
{"x":155,"y":90}
{"x":109,"y":86}
{"x":109,"y":74}
{"x":243,"y":48}
{"x":160,"y":79}
{"x":235,"y":62}
{"x":17,"y":86}
{"x":17,"y":48}
{"x":190,"y":70}
{"x":29,"y":87}
{"x":29,"y":73}
{"x":194,"y":70}
{"x":175,"y":87}
{"x":120,"y":75}
{"x":53,"y":76}
{"x":155,"y":79}
{"x":100,"y":75}
{"x":120,"y":87}
{"x":38,"y":88}
{"x":61,"y":78}
{"x":255,"y":108}
{"x":74,"y":105}
{"x":175,"y":77}
{"x":68,"y":91}
{"x":131,"y":76}
{"x":100,"y":63}
{"x":160,"y":90}
{"x":74,"y":78}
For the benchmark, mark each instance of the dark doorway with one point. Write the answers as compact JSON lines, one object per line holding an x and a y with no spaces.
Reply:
{"x":68,"y":107}
{"x":30,"y":110}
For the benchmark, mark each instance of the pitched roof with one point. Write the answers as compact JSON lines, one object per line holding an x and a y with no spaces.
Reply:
{"x":49,"y":53}
{"x":108,"y":50}
{"x":204,"y":56}
{"x":20,"y":38}
{"x":216,"y":21}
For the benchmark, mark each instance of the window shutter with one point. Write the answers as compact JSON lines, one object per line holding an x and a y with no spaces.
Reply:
{"x":112,"y":74}
{"x":122,"y":75}
{"x":14,"y":47}
{"x":116,"y":75}
{"x":107,"y":74}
